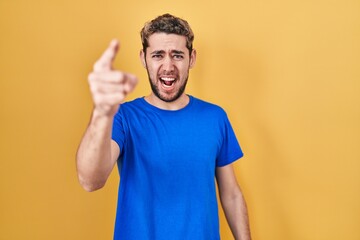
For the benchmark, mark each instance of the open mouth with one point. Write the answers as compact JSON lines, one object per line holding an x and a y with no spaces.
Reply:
{"x":167,"y":82}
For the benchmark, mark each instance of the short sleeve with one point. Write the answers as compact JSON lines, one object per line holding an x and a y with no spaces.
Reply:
{"x":118,"y":130}
{"x":230,"y":149}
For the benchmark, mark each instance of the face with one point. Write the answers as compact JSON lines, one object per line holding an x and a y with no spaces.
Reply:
{"x":168,"y":61}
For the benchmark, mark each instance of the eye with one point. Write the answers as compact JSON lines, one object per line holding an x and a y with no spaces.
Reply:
{"x":178,"y":56}
{"x":156,"y":56}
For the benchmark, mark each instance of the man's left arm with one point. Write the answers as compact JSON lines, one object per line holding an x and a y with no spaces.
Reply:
{"x":233,"y":202}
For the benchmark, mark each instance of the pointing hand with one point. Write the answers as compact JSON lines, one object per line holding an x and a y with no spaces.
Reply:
{"x":109,"y":87}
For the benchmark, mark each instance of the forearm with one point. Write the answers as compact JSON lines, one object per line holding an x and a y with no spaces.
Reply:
{"x":94,"y":158}
{"x":237,"y":216}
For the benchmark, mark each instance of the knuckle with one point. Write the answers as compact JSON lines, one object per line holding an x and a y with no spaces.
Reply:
{"x":119,"y":98}
{"x":93,"y":85}
{"x":94,"y":88}
{"x":91,"y":77}
{"x":118,"y":76}
{"x":127,"y":88}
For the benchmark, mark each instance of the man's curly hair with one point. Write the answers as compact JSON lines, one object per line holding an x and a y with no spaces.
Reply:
{"x":167,"y":23}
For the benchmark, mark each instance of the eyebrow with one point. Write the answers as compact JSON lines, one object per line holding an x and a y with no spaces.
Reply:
{"x":162,"y":52}
{"x":158,"y":52}
{"x":177,"y":52}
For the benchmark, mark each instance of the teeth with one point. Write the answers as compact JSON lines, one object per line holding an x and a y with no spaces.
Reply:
{"x":167,"y":79}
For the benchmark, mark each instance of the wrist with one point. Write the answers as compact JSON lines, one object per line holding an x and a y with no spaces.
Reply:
{"x":101,"y":119}
{"x":105,"y":112}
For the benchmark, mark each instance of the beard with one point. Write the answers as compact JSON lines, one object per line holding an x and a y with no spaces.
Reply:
{"x":158,"y":94}
{"x":171,"y":98}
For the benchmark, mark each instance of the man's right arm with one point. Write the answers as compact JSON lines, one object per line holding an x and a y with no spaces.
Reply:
{"x":97,"y":152}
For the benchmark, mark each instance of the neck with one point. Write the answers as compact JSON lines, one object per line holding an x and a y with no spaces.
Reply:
{"x":179,"y":103}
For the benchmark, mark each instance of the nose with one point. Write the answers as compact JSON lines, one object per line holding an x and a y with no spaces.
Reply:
{"x":168,"y":65}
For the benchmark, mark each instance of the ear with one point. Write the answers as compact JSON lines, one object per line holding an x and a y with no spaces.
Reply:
{"x":192,"y":58}
{"x":142,"y":58}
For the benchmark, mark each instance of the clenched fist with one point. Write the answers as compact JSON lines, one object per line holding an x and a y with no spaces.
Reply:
{"x":109,"y":87}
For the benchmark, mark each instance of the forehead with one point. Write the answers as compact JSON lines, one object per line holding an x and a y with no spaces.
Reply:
{"x":164,"y":41}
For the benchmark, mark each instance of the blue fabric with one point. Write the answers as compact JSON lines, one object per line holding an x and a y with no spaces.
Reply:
{"x":167,"y":167}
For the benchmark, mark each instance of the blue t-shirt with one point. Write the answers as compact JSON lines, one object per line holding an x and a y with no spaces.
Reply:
{"x":167,"y":166}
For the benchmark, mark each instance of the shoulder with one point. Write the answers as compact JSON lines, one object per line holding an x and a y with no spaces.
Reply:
{"x":208,"y":107}
{"x":128,"y":109}
{"x":132,"y":103}
{"x":130,"y":106}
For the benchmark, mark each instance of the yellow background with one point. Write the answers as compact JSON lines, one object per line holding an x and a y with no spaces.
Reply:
{"x":287,"y":73}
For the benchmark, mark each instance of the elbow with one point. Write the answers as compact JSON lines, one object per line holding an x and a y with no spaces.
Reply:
{"x":91,"y":185}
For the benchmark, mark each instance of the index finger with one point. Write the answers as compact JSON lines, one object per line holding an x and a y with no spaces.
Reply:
{"x":104,"y":63}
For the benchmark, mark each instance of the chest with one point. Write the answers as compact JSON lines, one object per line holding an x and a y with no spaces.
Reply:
{"x":186,"y":144}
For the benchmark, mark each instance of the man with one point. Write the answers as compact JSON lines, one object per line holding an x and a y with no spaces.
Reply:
{"x":169,"y":146}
